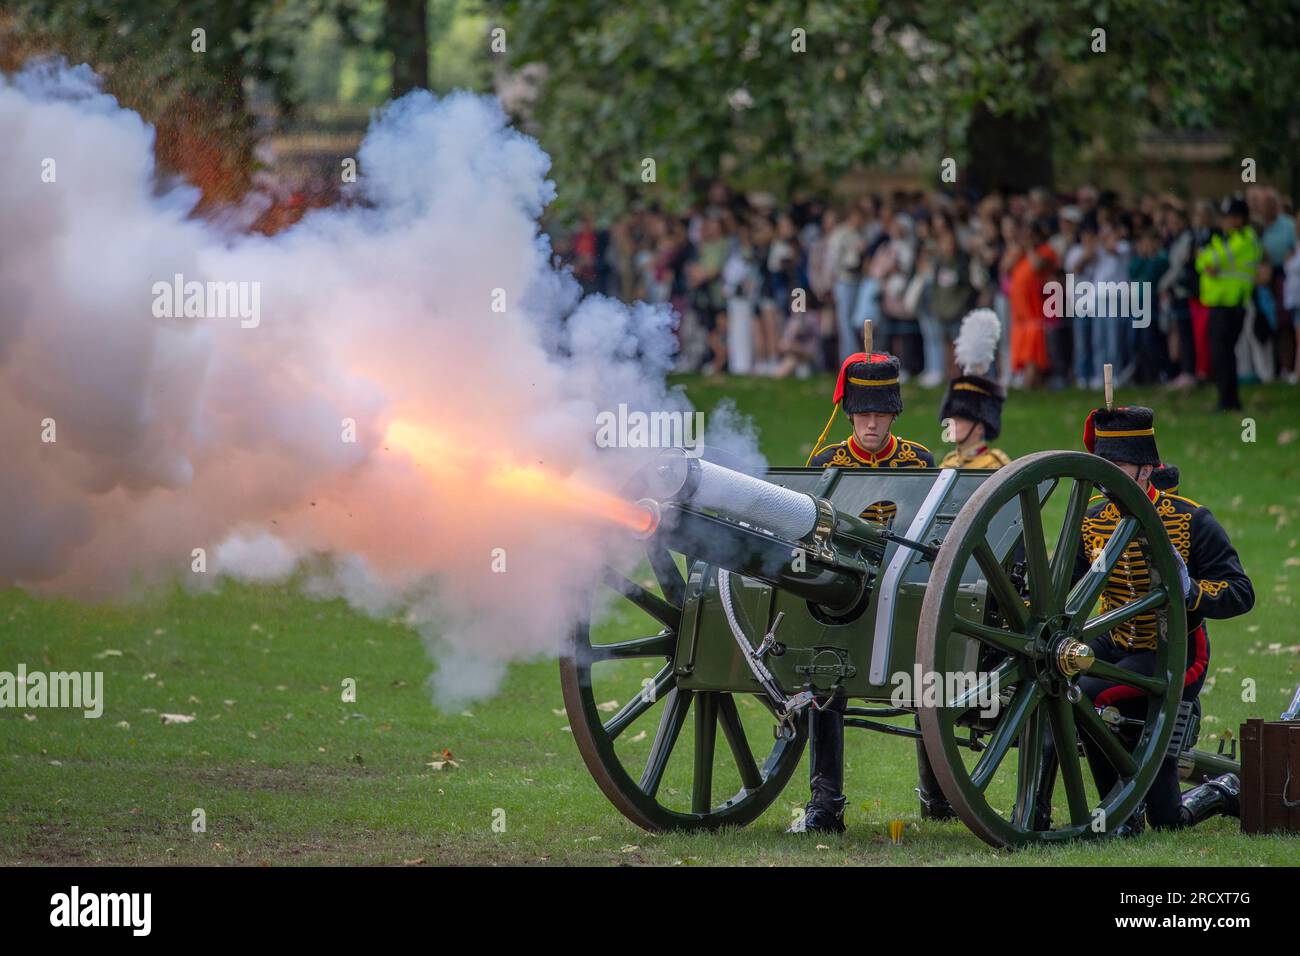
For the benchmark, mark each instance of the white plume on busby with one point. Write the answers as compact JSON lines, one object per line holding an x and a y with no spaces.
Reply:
{"x":977,"y":341}
{"x":972,"y":395}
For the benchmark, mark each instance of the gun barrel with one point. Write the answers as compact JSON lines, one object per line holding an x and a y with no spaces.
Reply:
{"x":785,"y":538}
{"x":703,"y":484}
{"x":836,"y":585}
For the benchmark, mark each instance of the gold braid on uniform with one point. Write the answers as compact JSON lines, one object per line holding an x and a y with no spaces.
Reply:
{"x":1178,"y":525}
{"x":905,"y":457}
{"x":1131,"y":578}
{"x":881,"y":513}
{"x":841,"y":458}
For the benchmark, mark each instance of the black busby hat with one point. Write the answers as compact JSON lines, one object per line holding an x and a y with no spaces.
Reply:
{"x":1165,"y":477}
{"x":1125,"y":434}
{"x":972,"y":395}
{"x":976,"y":398}
{"x":868,"y":382}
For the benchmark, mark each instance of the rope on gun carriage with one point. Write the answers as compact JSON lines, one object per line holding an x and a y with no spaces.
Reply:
{"x":787,"y":707}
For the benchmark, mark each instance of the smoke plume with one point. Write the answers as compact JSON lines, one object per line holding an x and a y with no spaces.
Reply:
{"x":176,"y":433}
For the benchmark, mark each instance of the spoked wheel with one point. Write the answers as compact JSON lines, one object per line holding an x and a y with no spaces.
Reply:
{"x":675,"y":778}
{"x":1034,"y":646}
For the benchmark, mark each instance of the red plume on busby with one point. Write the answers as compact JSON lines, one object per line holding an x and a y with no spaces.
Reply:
{"x":1090,"y":432}
{"x":869,"y":383}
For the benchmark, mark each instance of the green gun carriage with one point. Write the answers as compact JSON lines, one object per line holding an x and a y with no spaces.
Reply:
{"x":945,"y":593}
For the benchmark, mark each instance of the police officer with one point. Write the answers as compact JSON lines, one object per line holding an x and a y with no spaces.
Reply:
{"x":1214,"y":586}
{"x":1227,"y":265}
{"x":867,"y":392}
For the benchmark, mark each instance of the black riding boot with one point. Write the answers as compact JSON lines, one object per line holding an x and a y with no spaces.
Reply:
{"x":825,"y":811}
{"x":1042,"y":815}
{"x":1220,"y":795}
{"x":934,"y":805}
{"x":1136,"y":824}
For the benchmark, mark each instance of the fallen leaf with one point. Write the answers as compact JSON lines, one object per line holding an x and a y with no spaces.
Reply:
{"x":607,"y":707}
{"x":176,"y":718}
{"x":639,"y":737}
{"x":108,"y":653}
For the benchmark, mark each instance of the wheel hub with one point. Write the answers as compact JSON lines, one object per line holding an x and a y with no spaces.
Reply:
{"x":1073,"y":657}
{"x":1057,"y":656}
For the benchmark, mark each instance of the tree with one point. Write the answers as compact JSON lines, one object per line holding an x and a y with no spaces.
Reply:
{"x":1005,"y":88}
{"x":406,"y":36}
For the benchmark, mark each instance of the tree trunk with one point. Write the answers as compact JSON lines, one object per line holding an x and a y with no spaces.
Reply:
{"x":406,"y":36}
{"x":1010,"y":153}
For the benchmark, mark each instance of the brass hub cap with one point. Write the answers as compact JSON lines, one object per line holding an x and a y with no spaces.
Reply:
{"x":1073,"y":657}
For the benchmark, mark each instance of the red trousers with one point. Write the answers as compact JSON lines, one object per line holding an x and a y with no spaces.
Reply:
{"x":1201,"y":332}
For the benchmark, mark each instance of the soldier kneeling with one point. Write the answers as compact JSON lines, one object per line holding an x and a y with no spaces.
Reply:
{"x":1214,"y":586}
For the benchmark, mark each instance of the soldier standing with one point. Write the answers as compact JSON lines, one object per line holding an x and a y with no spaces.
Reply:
{"x":972,"y":410}
{"x":971,"y":415}
{"x":867,"y":391}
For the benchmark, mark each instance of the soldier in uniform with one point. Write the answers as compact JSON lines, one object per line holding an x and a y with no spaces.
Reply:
{"x":1214,"y":586}
{"x":971,"y":412}
{"x":1165,"y":477}
{"x":971,"y":415}
{"x":867,"y":391}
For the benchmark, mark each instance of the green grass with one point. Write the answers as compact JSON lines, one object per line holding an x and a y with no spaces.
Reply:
{"x":286,"y":772}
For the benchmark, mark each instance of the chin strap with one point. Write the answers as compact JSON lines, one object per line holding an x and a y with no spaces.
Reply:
{"x":961,"y":441}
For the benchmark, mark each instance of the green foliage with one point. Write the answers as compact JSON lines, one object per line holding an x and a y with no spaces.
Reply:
{"x":880,"y":82}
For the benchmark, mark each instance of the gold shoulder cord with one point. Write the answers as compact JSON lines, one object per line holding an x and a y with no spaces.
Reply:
{"x":817,"y":446}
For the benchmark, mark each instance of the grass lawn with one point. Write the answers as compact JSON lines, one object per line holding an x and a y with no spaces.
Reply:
{"x":285,"y":772}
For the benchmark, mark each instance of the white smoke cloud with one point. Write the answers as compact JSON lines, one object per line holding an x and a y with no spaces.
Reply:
{"x":180,"y":433}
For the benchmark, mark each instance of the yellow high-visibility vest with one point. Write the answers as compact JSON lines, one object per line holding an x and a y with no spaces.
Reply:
{"x":1235,"y":261}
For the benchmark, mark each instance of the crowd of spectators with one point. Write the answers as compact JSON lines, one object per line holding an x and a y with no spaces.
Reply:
{"x":780,"y":289}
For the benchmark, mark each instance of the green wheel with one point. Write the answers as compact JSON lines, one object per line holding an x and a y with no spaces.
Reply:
{"x":1029,"y":641}
{"x":676,"y":777}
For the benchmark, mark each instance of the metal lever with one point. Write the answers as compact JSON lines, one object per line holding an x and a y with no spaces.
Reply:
{"x":769,"y":645}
